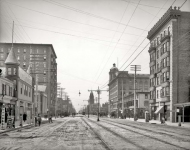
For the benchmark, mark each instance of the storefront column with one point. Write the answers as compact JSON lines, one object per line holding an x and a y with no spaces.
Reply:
{"x":17,"y":110}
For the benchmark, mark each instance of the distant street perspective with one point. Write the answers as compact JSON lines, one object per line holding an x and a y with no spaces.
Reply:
{"x":94,"y":74}
{"x":82,"y":133}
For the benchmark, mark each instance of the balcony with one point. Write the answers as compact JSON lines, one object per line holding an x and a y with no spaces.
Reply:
{"x":152,"y":63}
{"x":166,"y":37}
{"x":166,"y":83}
{"x":166,"y":69}
{"x":152,"y":88}
{"x":152,"y":101}
{"x":165,"y":99}
{"x":152,"y":48}
{"x":166,"y":54}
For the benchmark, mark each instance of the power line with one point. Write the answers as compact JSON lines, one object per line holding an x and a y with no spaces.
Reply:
{"x":69,"y":34}
{"x":183,"y":3}
{"x":119,"y":38}
{"x":113,"y":37}
{"x":68,"y":19}
{"x":20,"y":24}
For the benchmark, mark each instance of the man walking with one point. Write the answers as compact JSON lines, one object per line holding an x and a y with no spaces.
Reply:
{"x":39,"y":119}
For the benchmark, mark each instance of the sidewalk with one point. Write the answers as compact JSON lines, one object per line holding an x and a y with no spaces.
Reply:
{"x":185,"y":124}
{"x":17,"y":125}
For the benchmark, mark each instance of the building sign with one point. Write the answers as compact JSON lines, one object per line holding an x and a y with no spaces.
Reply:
{"x":25,"y":76}
{"x":3,"y":118}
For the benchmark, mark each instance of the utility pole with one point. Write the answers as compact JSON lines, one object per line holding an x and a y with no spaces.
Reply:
{"x":98,"y":91}
{"x":135,"y":68}
{"x":122,"y":101}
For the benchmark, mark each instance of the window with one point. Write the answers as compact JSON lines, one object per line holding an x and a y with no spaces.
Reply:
{"x":44,"y":51}
{"x":167,"y":76}
{"x":164,"y":77}
{"x":163,"y":91}
{"x":164,"y":62}
{"x":14,"y":71}
{"x":164,"y":33}
{"x":1,"y":63}
{"x":158,"y":69}
{"x":157,"y":93}
{"x":30,"y":51}
{"x":164,"y":48}
{"x":158,"y":80}
{"x":168,"y":46}
{"x":167,"y":90}
{"x":1,"y":56}
{"x":44,"y":57}
{"x":9,"y":71}
{"x":146,"y":96}
{"x":36,"y":50}
{"x":24,"y":50}
{"x":18,"y":50}
{"x":24,"y":57}
{"x":168,"y":30}
{"x":44,"y":65}
{"x":1,"y":50}
{"x":168,"y":61}
{"x":18,"y":58}
{"x":157,"y":54}
{"x":5,"y":89}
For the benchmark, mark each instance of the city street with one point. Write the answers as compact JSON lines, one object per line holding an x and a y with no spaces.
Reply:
{"x":81,"y":133}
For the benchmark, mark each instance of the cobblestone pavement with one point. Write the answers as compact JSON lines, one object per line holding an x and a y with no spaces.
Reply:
{"x":63,"y":134}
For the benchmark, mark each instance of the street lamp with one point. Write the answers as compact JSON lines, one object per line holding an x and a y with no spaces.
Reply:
{"x":79,"y":93}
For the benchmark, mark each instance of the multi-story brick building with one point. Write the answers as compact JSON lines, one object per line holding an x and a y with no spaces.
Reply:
{"x":170,"y":66}
{"x":123,"y":82}
{"x":42,"y":60}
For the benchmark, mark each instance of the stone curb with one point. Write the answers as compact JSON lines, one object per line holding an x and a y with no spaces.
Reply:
{"x":23,"y":127}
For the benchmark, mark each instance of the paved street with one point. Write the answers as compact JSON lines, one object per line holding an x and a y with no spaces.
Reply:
{"x":87,"y":134}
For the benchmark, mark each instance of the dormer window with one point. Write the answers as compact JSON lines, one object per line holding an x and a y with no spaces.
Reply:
{"x":14,"y":71}
{"x":9,"y":71}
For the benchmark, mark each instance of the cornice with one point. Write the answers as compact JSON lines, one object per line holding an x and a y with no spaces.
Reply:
{"x":170,"y":14}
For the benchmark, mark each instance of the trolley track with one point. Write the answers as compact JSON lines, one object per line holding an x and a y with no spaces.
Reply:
{"x":157,"y":132}
{"x":151,"y":137}
{"x":98,"y":135}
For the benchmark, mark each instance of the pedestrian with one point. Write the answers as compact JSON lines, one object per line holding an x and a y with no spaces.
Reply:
{"x":39,"y":119}
{"x":50,"y":119}
{"x":36,"y":120}
{"x":24,"y":117}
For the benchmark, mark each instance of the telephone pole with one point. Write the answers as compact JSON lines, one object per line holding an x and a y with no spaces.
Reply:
{"x":87,"y":106}
{"x":135,"y":68}
{"x":98,"y":91}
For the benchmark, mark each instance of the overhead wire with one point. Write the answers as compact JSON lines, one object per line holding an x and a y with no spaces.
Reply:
{"x":119,"y":38}
{"x":143,"y":40}
{"x":19,"y":23}
{"x":69,"y":34}
{"x":180,"y":40}
{"x":114,"y":35}
{"x":65,"y":18}
{"x":18,"y":34}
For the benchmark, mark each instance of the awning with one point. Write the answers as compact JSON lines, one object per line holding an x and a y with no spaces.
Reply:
{"x":159,"y":110}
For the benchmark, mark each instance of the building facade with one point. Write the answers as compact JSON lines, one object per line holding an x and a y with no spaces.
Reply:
{"x":22,"y":90}
{"x":170,"y":66}
{"x":42,"y":60}
{"x":121,"y":84}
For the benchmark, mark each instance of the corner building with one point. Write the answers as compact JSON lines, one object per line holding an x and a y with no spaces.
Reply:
{"x":42,"y":61}
{"x":170,"y":66}
{"x":121,"y":82}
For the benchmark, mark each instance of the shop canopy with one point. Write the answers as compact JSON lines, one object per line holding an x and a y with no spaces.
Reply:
{"x":160,"y":109}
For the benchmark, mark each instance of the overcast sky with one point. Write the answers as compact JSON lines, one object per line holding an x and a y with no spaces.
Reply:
{"x":88,"y":36}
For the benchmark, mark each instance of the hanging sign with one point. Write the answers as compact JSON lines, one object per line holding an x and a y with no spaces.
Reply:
{"x":3,"y":118}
